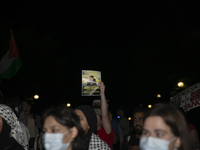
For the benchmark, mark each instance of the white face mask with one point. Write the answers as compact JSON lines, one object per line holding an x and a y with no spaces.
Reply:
{"x":16,"y":109}
{"x":152,"y":143}
{"x":54,"y":141}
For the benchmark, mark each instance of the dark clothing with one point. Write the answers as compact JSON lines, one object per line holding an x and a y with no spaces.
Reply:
{"x":8,"y":142}
{"x":91,"y":83}
{"x":23,"y":118}
{"x":91,"y":117}
{"x":127,"y":145}
{"x":115,"y":126}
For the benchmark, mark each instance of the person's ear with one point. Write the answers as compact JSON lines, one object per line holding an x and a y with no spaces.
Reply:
{"x":177,"y":142}
{"x":74,"y":132}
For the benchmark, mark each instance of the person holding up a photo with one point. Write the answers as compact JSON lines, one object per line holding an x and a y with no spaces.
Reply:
{"x":104,"y":128}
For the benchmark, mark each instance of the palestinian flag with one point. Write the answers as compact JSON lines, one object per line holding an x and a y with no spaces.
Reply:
{"x":11,"y":61}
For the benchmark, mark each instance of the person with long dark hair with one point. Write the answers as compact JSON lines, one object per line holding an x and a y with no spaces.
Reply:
{"x":62,"y":129}
{"x":88,"y":122}
{"x":165,"y":128}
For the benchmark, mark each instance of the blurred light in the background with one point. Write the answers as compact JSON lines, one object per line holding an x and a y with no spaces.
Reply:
{"x":36,"y":96}
{"x":129,"y":118}
{"x":68,"y":104}
{"x":118,"y":117}
{"x":158,"y":95}
{"x":149,"y":106}
{"x":180,"y":84}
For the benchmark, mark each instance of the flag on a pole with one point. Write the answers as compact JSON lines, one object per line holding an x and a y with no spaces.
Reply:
{"x":11,"y":61}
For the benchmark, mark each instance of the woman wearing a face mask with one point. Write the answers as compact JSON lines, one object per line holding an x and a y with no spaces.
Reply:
{"x":165,"y":129}
{"x":63,"y":130}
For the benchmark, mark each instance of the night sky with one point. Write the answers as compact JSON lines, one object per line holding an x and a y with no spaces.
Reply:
{"x":141,"y":49}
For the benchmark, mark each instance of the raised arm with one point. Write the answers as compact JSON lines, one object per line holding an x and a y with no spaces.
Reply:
{"x":104,"y":109}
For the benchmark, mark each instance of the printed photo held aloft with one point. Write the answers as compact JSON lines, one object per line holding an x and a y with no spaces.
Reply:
{"x":90,"y":82}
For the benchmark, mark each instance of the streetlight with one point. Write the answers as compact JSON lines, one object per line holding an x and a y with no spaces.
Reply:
{"x":36,"y":96}
{"x":68,"y":104}
{"x":158,"y":96}
{"x":180,"y":84}
{"x":149,"y":106}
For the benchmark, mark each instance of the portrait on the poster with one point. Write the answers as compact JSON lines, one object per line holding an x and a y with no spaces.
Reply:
{"x":90,"y":82}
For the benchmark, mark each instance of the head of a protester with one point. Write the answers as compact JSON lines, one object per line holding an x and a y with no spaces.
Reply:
{"x":165,"y":128}
{"x":11,"y":132}
{"x":121,"y":111}
{"x":138,"y":117}
{"x":99,"y":117}
{"x":26,"y":106}
{"x":88,"y":119}
{"x":62,"y":129}
{"x":97,"y":103}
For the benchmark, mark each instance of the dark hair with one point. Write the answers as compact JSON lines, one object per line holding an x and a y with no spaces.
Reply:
{"x":67,"y":117}
{"x":91,"y":117}
{"x":28,"y":102}
{"x":184,"y":114}
{"x":9,"y":102}
{"x":175,"y":120}
{"x":139,"y":109}
{"x":92,"y":76}
{"x":122,"y":108}
{"x":12,"y":103}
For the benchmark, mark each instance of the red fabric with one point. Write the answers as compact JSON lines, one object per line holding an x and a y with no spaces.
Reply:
{"x":108,"y":138}
{"x":191,"y":127}
{"x":13,"y":50}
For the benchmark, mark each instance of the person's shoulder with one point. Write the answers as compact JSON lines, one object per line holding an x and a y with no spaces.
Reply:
{"x":97,"y":144}
{"x":23,"y":114}
{"x":124,"y":120}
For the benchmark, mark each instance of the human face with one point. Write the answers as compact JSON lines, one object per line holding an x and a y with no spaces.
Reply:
{"x":155,"y":126}
{"x":97,"y":104}
{"x":138,"y":122}
{"x":119,"y":113}
{"x":25,"y":106}
{"x":91,"y":79}
{"x":52,"y":126}
{"x":83,"y":120}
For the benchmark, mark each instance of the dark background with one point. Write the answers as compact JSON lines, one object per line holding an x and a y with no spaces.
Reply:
{"x":141,"y":48}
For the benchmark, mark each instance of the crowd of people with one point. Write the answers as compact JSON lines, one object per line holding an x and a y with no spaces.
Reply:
{"x":163,"y":127}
